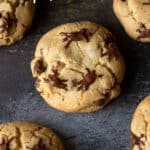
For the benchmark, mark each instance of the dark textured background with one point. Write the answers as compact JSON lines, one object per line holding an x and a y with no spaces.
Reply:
{"x":107,"y":129}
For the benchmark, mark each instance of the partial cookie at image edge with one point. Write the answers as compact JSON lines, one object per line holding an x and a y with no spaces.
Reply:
{"x":140,"y":128}
{"x":27,"y":135}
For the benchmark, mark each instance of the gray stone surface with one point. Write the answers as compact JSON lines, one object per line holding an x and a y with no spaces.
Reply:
{"x":107,"y":129}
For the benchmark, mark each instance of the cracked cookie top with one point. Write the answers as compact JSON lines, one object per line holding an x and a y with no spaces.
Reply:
{"x":15,"y":18}
{"x":135,"y":17}
{"x":78,"y":65}
{"x":140,"y":127}
{"x":28,"y":136}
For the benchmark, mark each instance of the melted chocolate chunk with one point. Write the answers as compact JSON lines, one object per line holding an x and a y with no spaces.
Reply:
{"x":39,"y":67}
{"x":4,"y":144}
{"x":75,"y":36}
{"x":5,"y":24}
{"x":111,"y":48}
{"x":143,"y":31}
{"x":137,"y":141}
{"x":87,"y":80}
{"x":55,"y":81}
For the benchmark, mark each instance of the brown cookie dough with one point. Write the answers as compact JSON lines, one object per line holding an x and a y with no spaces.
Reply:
{"x":140,"y":126}
{"x":15,"y":19}
{"x":134,"y":15}
{"x":28,"y":136}
{"x":78,"y":67}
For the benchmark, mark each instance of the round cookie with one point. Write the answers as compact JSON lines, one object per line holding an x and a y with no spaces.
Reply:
{"x":134,"y":15}
{"x":15,"y":19}
{"x":28,"y":136}
{"x":78,"y":67}
{"x":140,"y":126}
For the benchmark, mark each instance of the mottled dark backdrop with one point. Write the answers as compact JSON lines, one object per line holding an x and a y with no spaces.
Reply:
{"x":107,"y":129}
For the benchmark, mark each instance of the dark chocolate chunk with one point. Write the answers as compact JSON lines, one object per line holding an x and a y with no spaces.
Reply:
{"x":5,"y":24}
{"x":55,"y":81}
{"x":87,"y":80}
{"x":84,"y":34}
{"x":111,"y":48}
{"x":39,"y":67}
{"x":135,"y":140}
{"x":143,"y":31}
{"x":4,"y":144}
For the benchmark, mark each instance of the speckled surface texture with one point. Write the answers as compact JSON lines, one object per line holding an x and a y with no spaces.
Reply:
{"x":107,"y":129}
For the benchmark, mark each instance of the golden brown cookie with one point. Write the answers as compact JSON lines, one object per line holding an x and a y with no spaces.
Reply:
{"x":15,"y":19}
{"x":28,"y":136}
{"x":78,"y":67}
{"x":140,"y":127}
{"x":134,"y":15}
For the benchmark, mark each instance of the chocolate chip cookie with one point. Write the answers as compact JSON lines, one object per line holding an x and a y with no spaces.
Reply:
{"x":140,"y":127}
{"x":134,"y":15}
{"x":78,"y":67}
{"x":15,"y":19}
{"x":28,"y":136}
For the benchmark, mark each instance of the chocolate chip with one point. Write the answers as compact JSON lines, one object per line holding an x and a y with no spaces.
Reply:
{"x":135,"y":140}
{"x":75,"y":36}
{"x":55,"y":81}
{"x":143,"y":31}
{"x":111,"y":48}
{"x":87,"y":80}
{"x":4,"y":144}
{"x":39,"y":67}
{"x":5,"y":24}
